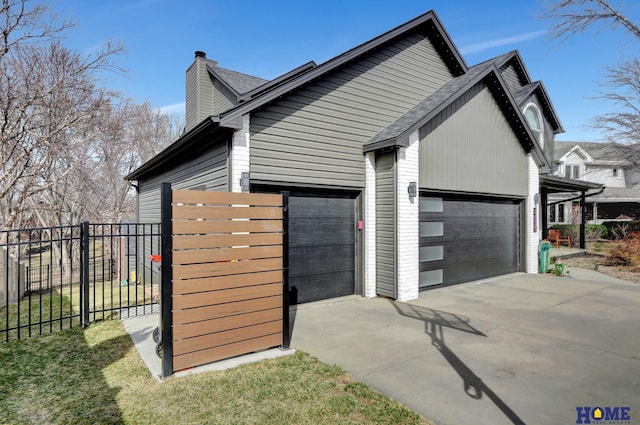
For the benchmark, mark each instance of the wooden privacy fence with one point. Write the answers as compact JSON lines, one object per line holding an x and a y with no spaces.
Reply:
{"x":223,"y":286}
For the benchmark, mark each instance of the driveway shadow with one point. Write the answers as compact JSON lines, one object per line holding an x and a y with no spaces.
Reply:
{"x":435,"y":321}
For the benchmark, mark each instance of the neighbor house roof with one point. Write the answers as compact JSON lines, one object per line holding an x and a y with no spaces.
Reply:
{"x":598,"y":151}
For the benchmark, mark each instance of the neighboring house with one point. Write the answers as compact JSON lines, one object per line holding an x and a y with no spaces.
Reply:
{"x":407,"y":168}
{"x":604,"y":163}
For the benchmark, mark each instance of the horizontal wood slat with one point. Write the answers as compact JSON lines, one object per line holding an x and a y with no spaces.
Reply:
{"x":193,"y":256}
{"x":226,"y":323}
{"x":192,"y":271}
{"x":226,"y":198}
{"x":181,"y":287}
{"x":227,"y":275}
{"x":226,"y":296}
{"x":183,"y":346}
{"x":215,"y":212}
{"x":217,"y":241}
{"x":226,"y":226}
{"x":223,"y":310}
{"x":197,"y":358}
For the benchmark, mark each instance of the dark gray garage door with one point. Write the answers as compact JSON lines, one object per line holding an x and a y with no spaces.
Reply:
{"x":322,"y":247}
{"x":463,"y":239}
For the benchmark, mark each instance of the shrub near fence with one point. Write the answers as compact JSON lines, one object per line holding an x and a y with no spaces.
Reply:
{"x":592,"y":231}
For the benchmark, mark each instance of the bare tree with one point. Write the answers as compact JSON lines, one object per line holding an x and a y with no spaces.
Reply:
{"x":622,"y":82}
{"x":574,"y":16}
{"x":22,"y":22}
{"x":127,"y":135}
{"x":66,"y":142}
{"x":48,"y":98}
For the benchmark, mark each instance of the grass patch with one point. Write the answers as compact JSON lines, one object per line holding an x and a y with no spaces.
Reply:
{"x":39,"y":313}
{"x":50,"y":311}
{"x":95,"y":376}
{"x":599,"y":247}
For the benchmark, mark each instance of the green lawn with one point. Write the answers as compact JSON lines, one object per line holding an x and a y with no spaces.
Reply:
{"x":64,"y":303}
{"x":95,"y":376}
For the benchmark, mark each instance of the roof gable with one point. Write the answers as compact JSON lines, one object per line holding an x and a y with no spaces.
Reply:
{"x":597,"y":152}
{"x":397,"y":134}
{"x":528,"y":87}
{"x":428,"y":22}
{"x":577,"y":150}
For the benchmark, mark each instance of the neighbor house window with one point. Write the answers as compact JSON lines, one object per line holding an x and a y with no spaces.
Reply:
{"x":560,"y":213}
{"x":615,"y":172}
{"x":534,"y":119}
{"x":552,"y":213}
{"x":572,"y":171}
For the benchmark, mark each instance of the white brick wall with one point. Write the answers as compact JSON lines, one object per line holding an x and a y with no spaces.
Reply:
{"x":239,"y":159}
{"x":370,"y":225}
{"x":408,"y":241}
{"x":533,"y":238}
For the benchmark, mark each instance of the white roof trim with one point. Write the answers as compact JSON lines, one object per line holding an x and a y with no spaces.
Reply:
{"x":580,"y":152}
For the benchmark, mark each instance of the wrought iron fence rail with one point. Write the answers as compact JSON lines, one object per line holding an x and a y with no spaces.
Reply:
{"x":57,"y":277}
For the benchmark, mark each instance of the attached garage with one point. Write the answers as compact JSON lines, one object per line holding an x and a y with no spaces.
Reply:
{"x":464,"y":239}
{"x":322,"y":243}
{"x":322,"y":247}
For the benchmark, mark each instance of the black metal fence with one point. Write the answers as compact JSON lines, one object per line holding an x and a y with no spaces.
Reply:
{"x":58,"y":277}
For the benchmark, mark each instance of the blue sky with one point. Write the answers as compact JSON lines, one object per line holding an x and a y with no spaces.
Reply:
{"x":269,"y":38}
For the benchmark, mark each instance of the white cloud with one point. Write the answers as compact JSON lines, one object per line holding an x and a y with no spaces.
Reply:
{"x":176,"y":108}
{"x":478,"y":47}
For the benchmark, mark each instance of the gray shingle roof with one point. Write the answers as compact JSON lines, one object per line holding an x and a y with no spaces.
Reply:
{"x":525,"y":92}
{"x":241,"y":83}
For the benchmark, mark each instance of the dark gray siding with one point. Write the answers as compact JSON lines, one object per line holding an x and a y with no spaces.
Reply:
{"x":470,"y":147}
{"x":206,"y":172}
{"x":315,"y":134}
{"x":223,"y":98}
{"x":385,"y":225}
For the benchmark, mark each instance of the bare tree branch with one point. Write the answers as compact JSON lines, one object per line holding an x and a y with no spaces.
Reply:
{"x":574,"y":16}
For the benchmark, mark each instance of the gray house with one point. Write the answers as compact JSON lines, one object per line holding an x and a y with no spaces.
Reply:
{"x":407,"y":168}
{"x":610,"y":164}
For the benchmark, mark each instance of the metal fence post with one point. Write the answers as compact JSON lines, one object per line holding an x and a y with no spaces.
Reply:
{"x":166,"y":275}
{"x":84,"y":290}
{"x":286,"y":337}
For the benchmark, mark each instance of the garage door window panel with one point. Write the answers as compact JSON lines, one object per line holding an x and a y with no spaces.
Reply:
{"x":480,"y":238}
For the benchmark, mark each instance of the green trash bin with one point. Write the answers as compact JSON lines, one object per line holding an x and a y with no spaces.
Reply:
{"x":544,"y":258}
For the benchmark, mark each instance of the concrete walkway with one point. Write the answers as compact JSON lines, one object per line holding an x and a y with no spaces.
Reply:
{"x":517,"y":349}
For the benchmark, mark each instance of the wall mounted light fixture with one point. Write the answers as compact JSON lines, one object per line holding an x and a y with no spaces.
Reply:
{"x":412,"y":189}
{"x":244,"y":181}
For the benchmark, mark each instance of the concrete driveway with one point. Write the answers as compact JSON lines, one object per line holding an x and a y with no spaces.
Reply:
{"x":516,"y":349}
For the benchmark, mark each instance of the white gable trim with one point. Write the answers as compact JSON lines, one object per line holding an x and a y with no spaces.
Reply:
{"x":580,"y":151}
